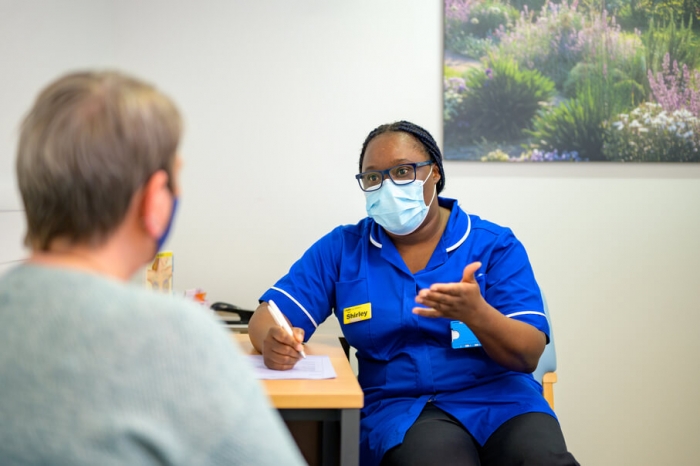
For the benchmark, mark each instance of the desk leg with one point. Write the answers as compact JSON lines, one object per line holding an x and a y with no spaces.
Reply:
{"x":340,"y":433}
{"x":350,"y":437}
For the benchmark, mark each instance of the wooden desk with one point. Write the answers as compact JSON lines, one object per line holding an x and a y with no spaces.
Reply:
{"x":334,"y":402}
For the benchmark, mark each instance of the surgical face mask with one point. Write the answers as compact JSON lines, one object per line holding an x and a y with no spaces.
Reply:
{"x":400,"y":209}
{"x":165,"y":234}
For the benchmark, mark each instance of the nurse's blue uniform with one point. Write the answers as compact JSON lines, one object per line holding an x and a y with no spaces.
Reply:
{"x":405,"y":360}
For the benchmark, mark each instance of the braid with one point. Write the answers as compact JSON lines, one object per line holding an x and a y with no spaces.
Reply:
{"x":427,"y":143}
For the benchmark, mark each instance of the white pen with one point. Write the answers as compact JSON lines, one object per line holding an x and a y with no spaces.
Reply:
{"x":281,"y":321}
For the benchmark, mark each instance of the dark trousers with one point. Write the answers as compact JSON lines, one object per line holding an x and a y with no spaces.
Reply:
{"x":437,"y":438}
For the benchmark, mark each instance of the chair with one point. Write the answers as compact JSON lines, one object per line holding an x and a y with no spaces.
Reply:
{"x":546,"y":368}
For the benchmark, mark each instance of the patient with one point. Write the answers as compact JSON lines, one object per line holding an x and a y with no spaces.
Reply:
{"x":94,"y":371}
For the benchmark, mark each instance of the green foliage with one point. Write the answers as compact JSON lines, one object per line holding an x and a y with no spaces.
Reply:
{"x":680,"y":42}
{"x":627,"y":83}
{"x":636,"y":14}
{"x":502,"y":100}
{"x":548,"y":41}
{"x":576,"y":125}
{"x":611,"y":59}
{"x":532,"y":5}
{"x":450,"y":72}
{"x":474,"y":47}
{"x":486,"y":17}
{"x":453,"y":96}
{"x":471,"y":25}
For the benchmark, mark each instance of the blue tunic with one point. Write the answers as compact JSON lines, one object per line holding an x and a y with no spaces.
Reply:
{"x":407,"y":360}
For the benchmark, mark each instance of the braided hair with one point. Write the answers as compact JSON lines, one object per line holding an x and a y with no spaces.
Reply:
{"x":427,"y":144}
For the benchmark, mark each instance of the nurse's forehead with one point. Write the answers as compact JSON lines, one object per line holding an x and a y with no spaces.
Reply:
{"x":393,"y":148}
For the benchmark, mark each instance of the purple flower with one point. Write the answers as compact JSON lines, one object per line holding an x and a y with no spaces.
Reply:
{"x":676,"y":87}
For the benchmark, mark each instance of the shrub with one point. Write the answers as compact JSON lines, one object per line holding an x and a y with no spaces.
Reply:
{"x":651,"y":134}
{"x":456,"y":16}
{"x":572,"y":126}
{"x":477,"y":48}
{"x":487,"y":17}
{"x":612,"y":56}
{"x":502,"y":100}
{"x":622,"y":84}
{"x":636,"y":14}
{"x":549,"y":43}
{"x":469,"y":24}
{"x":532,"y":5}
{"x":576,"y":124}
{"x":453,"y":95}
{"x":680,"y":43}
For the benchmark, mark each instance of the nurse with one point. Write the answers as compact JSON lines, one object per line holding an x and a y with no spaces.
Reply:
{"x":398,"y":282}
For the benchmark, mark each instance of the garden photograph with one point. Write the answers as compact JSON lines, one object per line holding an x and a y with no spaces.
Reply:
{"x":571,"y":81}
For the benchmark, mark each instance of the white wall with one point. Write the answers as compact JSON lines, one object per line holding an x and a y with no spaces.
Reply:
{"x":38,"y":40}
{"x":278,"y":97}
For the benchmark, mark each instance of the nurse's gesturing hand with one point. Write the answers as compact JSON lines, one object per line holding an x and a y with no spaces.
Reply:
{"x":513,"y":344}
{"x":457,"y":301}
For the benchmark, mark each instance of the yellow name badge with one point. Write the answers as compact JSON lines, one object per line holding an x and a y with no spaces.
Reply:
{"x":357,"y":313}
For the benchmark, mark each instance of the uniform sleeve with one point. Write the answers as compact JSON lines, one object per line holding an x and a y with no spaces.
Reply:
{"x":510,"y":283}
{"x":307,"y":293}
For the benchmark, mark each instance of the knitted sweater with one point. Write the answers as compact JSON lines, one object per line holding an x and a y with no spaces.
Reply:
{"x":97,"y":372}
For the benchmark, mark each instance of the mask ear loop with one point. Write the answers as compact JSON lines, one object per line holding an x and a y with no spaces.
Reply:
{"x":434,"y":187}
{"x":432,"y":198}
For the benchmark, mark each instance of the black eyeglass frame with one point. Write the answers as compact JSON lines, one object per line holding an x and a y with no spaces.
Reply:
{"x":387,"y":172}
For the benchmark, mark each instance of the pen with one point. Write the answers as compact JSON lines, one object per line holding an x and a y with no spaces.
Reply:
{"x":281,"y":321}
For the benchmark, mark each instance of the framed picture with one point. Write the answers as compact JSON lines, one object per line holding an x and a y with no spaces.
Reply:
{"x":568,"y":81}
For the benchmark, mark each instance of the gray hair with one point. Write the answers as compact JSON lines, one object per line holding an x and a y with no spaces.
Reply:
{"x":89,"y":143}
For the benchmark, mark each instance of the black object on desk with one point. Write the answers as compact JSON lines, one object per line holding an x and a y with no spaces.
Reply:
{"x":232,"y":314}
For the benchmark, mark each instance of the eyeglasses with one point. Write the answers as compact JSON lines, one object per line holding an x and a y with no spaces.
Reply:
{"x":400,"y":175}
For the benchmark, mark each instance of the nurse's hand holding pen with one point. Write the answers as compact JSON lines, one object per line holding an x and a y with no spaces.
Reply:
{"x":513,"y":344}
{"x":280,"y":349}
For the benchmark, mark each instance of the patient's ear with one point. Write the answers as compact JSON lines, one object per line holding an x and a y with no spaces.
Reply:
{"x":156,"y":204}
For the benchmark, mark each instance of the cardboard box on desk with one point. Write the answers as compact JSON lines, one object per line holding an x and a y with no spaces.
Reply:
{"x":159,"y":275}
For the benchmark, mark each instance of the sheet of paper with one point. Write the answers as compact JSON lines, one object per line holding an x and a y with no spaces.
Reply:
{"x":313,"y":367}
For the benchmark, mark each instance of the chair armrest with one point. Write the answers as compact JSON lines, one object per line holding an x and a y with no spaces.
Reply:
{"x":548,"y":381}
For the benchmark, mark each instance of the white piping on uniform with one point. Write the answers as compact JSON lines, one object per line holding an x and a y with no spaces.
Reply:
{"x":297,"y":303}
{"x":451,"y":248}
{"x":459,"y":243}
{"x":374,"y":241}
{"x":527,"y":312}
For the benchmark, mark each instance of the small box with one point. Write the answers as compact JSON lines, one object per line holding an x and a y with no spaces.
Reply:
{"x":159,"y":275}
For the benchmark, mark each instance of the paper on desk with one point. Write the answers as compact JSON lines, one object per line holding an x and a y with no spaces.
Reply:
{"x":313,"y":367}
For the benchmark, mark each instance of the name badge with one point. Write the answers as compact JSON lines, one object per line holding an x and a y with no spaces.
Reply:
{"x":357,"y":313}
{"x":462,"y":336}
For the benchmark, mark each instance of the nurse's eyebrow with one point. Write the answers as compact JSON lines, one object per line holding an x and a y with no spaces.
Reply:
{"x":394,"y":163}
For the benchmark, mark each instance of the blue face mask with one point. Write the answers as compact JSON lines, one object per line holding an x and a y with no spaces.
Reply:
{"x":400,"y":209}
{"x":165,"y":234}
